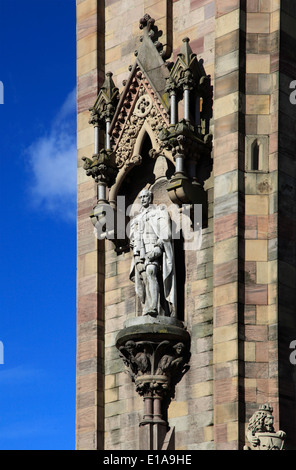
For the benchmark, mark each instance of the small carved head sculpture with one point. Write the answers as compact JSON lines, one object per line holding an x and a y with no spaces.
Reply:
{"x":262,"y":420}
{"x":131,"y":347}
{"x":261,"y":433}
{"x":179,"y":348}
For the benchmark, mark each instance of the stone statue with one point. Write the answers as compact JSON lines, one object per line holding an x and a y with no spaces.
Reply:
{"x":261,"y":433}
{"x":152,"y":268}
{"x":136,"y":358}
{"x":172,"y":363}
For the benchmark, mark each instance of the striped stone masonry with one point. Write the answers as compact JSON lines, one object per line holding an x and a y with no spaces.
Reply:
{"x":239,"y":290}
{"x":226,"y":225}
{"x":260,"y":218}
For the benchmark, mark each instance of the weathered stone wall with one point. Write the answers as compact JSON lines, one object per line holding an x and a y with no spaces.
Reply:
{"x":245,"y":216}
{"x":226,"y":219}
{"x":260,"y":224}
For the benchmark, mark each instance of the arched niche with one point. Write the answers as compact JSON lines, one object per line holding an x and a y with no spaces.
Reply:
{"x":257,"y":153}
{"x":153,"y":174}
{"x":256,"y":157}
{"x":139,"y":166}
{"x":149,"y":173}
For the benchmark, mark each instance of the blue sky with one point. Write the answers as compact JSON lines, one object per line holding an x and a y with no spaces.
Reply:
{"x":38,"y":228}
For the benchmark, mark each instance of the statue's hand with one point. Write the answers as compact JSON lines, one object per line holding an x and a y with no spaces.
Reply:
{"x":156,"y":253}
{"x":255,"y":441}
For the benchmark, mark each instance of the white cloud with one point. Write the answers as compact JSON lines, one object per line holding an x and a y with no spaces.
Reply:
{"x":52,"y":160}
{"x":19,"y":375}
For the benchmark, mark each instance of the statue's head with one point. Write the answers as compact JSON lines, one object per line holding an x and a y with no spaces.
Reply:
{"x":179,"y":348}
{"x":262,"y":420}
{"x":146,"y":197}
{"x":130,"y":346}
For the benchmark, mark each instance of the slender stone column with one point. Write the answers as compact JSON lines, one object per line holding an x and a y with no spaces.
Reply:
{"x":186,"y":103}
{"x":108,"y":144}
{"x":156,"y":353}
{"x":153,"y":428}
{"x":173,"y":108}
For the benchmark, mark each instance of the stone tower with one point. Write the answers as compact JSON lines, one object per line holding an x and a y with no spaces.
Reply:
{"x":191,"y":100}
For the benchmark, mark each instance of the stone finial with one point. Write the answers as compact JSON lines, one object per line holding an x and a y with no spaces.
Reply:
{"x":147,"y":24}
{"x":106,"y":102}
{"x":146,"y":21}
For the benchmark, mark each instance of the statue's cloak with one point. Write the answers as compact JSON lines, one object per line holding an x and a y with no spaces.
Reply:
{"x":160,"y":222}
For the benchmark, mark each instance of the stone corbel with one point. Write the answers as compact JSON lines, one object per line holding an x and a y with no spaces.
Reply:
{"x":156,"y":353}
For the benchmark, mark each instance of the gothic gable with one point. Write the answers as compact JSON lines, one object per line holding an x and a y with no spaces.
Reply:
{"x":144,"y":100}
{"x":140,"y":107}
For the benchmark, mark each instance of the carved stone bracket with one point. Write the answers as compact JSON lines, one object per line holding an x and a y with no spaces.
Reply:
{"x":156,"y":353}
{"x":184,"y":138}
{"x":155,"y":366}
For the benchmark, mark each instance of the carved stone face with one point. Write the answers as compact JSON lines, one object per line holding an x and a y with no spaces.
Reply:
{"x":130,"y":347}
{"x":268,"y":423}
{"x":145,"y":197}
{"x":179,"y":348}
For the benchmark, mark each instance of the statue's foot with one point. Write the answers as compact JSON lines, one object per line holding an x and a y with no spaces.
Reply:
{"x":153,"y":312}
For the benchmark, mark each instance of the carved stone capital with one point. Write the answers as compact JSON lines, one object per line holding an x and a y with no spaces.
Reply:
{"x":156,"y":353}
{"x":152,"y":385}
{"x":184,"y":138}
{"x":171,"y":86}
{"x":101,"y":167}
{"x":186,"y":81}
{"x":94,"y":119}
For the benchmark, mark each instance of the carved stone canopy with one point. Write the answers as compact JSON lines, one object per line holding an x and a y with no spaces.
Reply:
{"x":149,"y":105}
{"x":141,"y":109}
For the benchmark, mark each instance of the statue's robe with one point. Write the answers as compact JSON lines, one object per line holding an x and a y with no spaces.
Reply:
{"x":160,"y":223}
